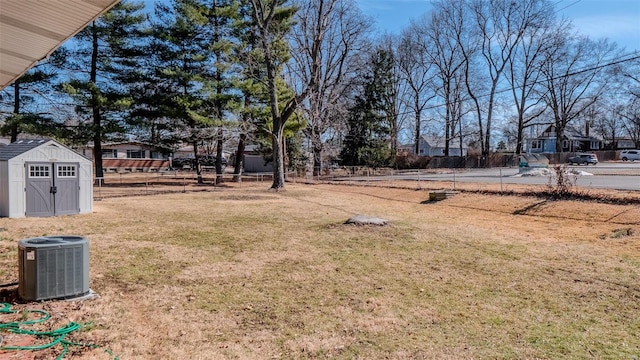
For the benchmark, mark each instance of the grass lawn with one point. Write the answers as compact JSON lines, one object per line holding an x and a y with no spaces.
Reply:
{"x":244,"y":273}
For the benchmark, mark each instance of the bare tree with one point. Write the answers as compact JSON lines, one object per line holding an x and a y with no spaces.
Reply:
{"x":630,"y":116}
{"x":525,"y":69}
{"x":574,"y":79}
{"x":605,"y":120}
{"x":446,"y":30}
{"x":630,"y":70}
{"x":326,"y":41}
{"x":415,"y":69}
{"x":498,"y":28}
{"x":628,"y":109}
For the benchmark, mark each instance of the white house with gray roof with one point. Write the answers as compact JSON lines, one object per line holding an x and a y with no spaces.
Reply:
{"x":41,"y":177}
{"x":435,"y":146}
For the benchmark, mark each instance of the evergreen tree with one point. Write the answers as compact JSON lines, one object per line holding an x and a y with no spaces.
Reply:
{"x":367,"y":140}
{"x":182,"y":73}
{"x":31,"y":103}
{"x":223,"y":15}
{"x":246,"y":56}
{"x":101,"y":54}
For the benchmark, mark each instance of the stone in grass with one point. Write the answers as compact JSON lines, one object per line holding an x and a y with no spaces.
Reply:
{"x":367,"y":220}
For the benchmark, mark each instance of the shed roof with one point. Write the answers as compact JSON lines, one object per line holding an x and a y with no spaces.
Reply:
{"x":43,"y":25}
{"x":20,"y":147}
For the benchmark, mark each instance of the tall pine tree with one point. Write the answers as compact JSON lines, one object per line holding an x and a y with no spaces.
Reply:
{"x":183,"y":69}
{"x":369,"y":128}
{"x":30,"y":98}
{"x":99,"y":55}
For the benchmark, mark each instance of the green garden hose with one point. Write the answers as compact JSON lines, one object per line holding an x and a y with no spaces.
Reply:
{"x":57,"y":335}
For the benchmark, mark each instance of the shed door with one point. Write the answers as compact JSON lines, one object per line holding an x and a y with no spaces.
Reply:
{"x":66,"y":195}
{"x":52,"y":189}
{"x":39,"y":182}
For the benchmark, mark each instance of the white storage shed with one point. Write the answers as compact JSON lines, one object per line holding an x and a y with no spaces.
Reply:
{"x":41,"y":177}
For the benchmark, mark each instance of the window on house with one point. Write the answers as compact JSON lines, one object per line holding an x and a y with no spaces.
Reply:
{"x":109,"y":153}
{"x":135,"y":154}
{"x":565,"y":144}
{"x":39,"y":171}
{"x":536,"y":144}
{"x":595,"y":145}
{"x":157,"y":155}
{"x":421,"y":151}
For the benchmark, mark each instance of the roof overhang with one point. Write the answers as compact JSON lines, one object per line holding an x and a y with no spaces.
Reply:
{"x":30,"y":30}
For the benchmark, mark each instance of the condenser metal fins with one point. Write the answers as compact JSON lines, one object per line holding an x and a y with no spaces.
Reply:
{"x":53,"y":267}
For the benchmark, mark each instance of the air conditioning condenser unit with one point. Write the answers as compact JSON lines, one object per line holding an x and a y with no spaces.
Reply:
{"x":53,"y":267}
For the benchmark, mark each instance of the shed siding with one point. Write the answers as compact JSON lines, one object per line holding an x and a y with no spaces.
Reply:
{"x":4,"y":188}
{"x":86,"y":187}
{"x":17,"y":196}
{"x":52,"y":153}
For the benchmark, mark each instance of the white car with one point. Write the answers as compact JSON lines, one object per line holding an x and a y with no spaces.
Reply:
{"x":630,"y":155}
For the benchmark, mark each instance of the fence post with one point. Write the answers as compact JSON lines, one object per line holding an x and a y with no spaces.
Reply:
{"x":454,"y":178}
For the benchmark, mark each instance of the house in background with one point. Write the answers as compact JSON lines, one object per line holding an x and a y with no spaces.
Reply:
{"x":405,"y":149}
{"x":435,"y":146}
{"x":572,"y":141}
{"x":130,"y":156}
{"x":621,"y":144}
{"x":254,"y":161}
{"x":186,"y":151}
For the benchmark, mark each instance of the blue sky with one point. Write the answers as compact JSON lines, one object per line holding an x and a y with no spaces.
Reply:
{"x":618,"y":20}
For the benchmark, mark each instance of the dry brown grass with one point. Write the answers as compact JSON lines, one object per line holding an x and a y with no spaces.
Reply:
{"x":239,"y":272}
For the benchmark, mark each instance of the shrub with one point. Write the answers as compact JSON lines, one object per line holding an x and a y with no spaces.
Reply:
{"x":561,"y":182}
{"x":411,"y":161}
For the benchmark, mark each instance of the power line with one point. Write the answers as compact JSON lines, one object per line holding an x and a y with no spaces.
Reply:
{"x":568,"y":6}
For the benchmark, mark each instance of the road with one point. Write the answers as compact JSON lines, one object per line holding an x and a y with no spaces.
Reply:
{"x":613,"y":175}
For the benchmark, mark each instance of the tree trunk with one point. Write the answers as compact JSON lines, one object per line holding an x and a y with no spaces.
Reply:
{"x":239,"y":163}
{"x":278,"y":123}
{"x":487,"y":142}
{"x":447,"y":117}
{"x":317,"y":158}
{"x":519,"y":136}
{"x":317,"y":146}
{"x":416,"y":101}
{"x":16,"y":110}
{"x":278,"y":161}
{"x":95,"y":108}
{"x":559,"y":136}
{"x":196,"y":163}
{"x":219,"y":157}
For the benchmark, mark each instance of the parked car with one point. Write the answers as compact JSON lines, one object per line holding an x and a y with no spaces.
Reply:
{"x":210,"y":160}
{"x":630,"y":155}
{"x":583,"y":158}
{"x":182,"y":163}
